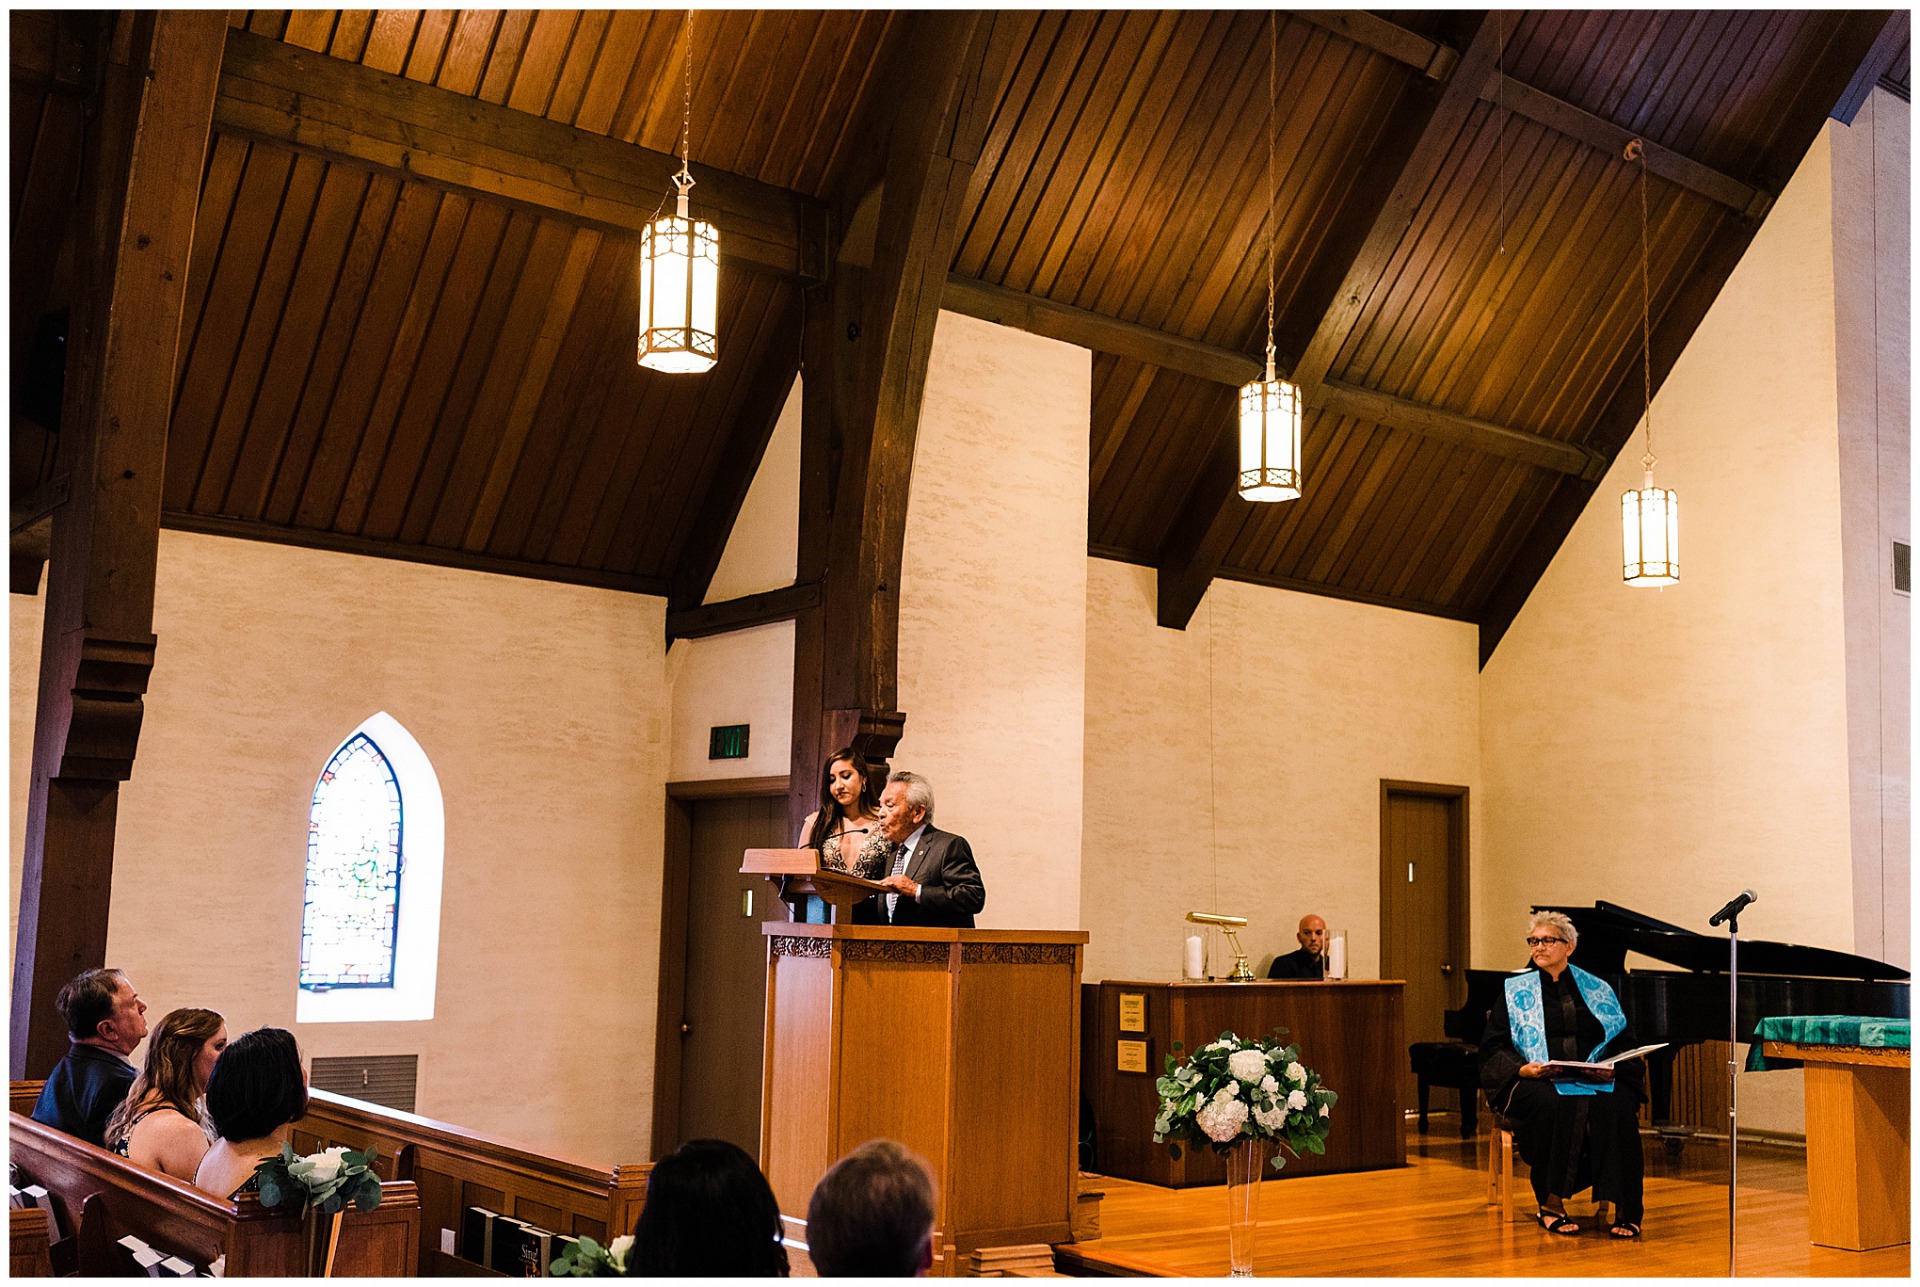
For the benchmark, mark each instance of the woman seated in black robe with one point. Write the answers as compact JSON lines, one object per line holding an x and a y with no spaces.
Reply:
{"x":1573,"y":1135}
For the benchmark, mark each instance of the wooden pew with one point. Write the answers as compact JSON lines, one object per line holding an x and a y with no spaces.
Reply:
{"x":27,"y":1241}
{"x":89,"y":1184}
{"x":455,"y":1169}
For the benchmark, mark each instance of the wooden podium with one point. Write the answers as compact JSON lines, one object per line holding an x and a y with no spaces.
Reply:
{"x":800,"y":876}
{"x":961,"y":1044}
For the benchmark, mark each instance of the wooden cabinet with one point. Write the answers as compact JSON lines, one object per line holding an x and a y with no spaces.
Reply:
{"x":1352,"y":1034}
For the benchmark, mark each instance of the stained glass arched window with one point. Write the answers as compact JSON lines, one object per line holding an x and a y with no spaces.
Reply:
{"x":355,"y":855}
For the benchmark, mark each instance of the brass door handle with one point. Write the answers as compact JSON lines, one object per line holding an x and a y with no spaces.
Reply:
{"x":685,"y":1028}
{"x":1446,"y":969}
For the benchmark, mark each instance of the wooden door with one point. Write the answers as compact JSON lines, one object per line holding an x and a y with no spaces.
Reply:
{"x":725,"y":989}
{"x":1423,"y":906}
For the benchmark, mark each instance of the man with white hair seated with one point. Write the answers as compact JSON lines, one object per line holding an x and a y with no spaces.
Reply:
{"x":1573,"y":1134}
{"x":932,"y":878}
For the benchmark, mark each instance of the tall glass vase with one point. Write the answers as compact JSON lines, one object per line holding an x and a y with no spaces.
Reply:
{"x":1245,"y":1165}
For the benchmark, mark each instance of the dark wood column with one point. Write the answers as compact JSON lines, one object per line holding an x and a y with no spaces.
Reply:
{"x":868,"y":334}
{"x":146,"y":143}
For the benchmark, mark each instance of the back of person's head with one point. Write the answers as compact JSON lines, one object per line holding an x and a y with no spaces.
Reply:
{"x":87,"y":1000}
{"x":173,"y":1050}
{"x":709,"y":1212}
{"x":871,"y":1215}
{"x":257,"y":1086}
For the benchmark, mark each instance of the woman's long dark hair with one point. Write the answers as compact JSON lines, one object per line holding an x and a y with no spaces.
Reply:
{"x":831,"y":816}
{"x":709,"y":1213}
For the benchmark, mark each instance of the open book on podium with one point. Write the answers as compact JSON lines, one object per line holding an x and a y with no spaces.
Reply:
{"x":800,"y":874}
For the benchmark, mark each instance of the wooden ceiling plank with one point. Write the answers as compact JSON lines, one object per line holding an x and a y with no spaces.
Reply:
{"x":1336,"y":452}
{"x":577,"y":68}
{"x":1111,"y":429}
{"x":44,"y":197}
{"x":1429,"y":58}
{"x":468,"y":47}
{"x":264,"y":22}
{"x":209,"y":367}
{"x":1429,"y":529}
{"x":1381,"y":464}
{"x":745,"y":440}
{"x":449,"y":329}
{"x":1476,"y":537}
{"x":519,"y":257}
{"x":352,"y":29}
{"x":738,"y":66}
{"x":219,"y":188}
{"x":400,"y":252}
{"x":329,"y":361}
{"x":343,"y":112}
{"x":601,"y":96}
{"x":1420,"y":141}
{"x":1888,"y":52}
{"x":644,"y":81}
{"x":429,"y":46}
{"x":762,"y":149}
{"x":833,"y":145}
{"x":474,"y":461}
{"x":391,"y":40}
{"x":401,"y":364}
{"x":481,"y":528}
{"x":832,"y":68}
{"x":1405,"y":502}
{"x":295,"y":342}
{"x":1852,"y":38}
{"x":503,"y":63}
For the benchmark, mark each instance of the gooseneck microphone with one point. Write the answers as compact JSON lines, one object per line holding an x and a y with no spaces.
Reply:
{"x":1734,"y":908}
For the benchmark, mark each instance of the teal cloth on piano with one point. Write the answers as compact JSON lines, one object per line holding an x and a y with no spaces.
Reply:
{"x":1826,"y":1030}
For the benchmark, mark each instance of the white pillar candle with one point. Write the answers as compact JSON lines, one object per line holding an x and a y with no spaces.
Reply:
{"x":1196,"y":960}
{"x":1337,"y":957}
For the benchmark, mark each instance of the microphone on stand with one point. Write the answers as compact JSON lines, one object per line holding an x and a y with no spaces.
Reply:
{"x":1735,"y":907}
{"x":851,"y":831}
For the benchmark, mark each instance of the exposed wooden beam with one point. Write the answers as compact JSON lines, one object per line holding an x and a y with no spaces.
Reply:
{"x":47,"y":187}
{"x":1224,"y":366}
{"x":868,"y":337}
{"x":281,"y":94}
{"x":134,"y":224}
{"x":1119,"y":555}
{"x":248,"y":529}
{"x":1678,"y":320}
{"x":1415,"y":50}
{"x":747,"y":437}
{"x":762,"y":609}
{"x":1887,"y":47}
{"x":1599,"y":133}
{"x":1400,"y":171}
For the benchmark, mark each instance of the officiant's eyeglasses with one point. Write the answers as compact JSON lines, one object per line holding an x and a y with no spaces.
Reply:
{"x":1542,"y":942}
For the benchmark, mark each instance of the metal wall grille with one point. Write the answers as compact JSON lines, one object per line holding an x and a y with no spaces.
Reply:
{"x":387,"y":1080}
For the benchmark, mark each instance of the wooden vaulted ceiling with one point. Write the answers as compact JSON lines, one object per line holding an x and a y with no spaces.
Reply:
{"x":409,"y":322}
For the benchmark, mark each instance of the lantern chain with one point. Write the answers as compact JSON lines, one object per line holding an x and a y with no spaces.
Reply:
{"x":1273,"y":233}
{"x":1637,"y":151}
{"x":685,"y":178}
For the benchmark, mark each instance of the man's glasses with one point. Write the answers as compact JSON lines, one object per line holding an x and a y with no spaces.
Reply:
{"x":1542,"y":942}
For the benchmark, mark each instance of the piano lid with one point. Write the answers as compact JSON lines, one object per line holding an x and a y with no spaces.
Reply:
{"x":1609,"y":931}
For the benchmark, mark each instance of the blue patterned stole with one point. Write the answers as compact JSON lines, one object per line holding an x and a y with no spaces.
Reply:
{"x":1529,"y":1026}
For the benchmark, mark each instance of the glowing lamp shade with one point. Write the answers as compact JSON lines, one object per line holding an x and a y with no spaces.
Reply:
{"x":1270,"y":440}
{"x":679,"y":294}
{"x":1650,"y":535}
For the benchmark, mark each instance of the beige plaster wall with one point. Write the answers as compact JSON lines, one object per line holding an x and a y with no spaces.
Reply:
{"x":993,"y":614}
{"x":1872,"y":301}
{"x":1665,"y":749}
{"x":543,"y":708}
{"x":1311,"y":703}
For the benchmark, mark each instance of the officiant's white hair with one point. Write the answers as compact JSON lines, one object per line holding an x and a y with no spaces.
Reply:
{"x":919,"y":791}
{"x":1559,"y":921}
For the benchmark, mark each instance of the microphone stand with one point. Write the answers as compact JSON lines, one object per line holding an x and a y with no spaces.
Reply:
{"x":1733,"y":1086}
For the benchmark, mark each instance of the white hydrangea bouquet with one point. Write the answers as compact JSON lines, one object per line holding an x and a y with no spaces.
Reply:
{"x":1237,"y":1089}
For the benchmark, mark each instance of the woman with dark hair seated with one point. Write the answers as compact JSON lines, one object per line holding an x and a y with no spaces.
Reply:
{"x":159,"y":1125}
{"x":1572,"y":1134}
{"x":257,"y":1092}
{"x":709,"y":1213}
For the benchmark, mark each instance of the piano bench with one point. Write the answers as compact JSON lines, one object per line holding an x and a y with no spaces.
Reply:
{"x":1454,"y":1065}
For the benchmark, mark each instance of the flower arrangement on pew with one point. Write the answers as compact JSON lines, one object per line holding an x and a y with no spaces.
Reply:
{"x":321,"y":1185}
{"x":1238,"y":1089}
{"x":588,"y":1259}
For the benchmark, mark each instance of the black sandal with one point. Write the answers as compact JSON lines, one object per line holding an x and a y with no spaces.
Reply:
{"x":1558,"y":1222}
{"x":1625,"y":1230}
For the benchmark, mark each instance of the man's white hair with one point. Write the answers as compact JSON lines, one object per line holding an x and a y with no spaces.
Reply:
{"x":1558,"y":921}
{"x":919,"y":791}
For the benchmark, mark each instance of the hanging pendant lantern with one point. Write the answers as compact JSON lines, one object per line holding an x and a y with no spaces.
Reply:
{"x":1649,"y":515}
{"x":680,"y":271}
{"x":1650,"y":533}
{"x":679,"y":291}
{"x":1270,"y":406}
{"x":1270,"y":438}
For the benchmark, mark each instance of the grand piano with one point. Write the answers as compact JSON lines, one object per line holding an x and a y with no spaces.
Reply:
{"x":1688,"y":1004}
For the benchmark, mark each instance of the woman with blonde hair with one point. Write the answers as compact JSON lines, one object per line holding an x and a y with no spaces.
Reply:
{"x":159,"y":1125}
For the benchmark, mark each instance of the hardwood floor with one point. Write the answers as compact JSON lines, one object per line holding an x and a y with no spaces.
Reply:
{"x":1429,"y":1219}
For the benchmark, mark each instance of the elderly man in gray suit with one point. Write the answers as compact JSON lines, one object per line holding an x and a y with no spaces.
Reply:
{"x":932,"y":877}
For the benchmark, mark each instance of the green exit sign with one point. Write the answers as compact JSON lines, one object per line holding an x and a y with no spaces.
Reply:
{"x":728,"y":741}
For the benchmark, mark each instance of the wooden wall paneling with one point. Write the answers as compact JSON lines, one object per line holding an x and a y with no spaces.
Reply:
{"x":208,"y":366}
{"x":333,"y":347}
{"x":487,"y":342}
{"x":450,"y":329}
{"x":489,"y":443}
{"x":375,"y":325}
{"x":553,"y":389}
{"x":796,"y":1088}
{"x":400,"y":365}
{"x":135,"y":235}
{"x":296,"y":342}
{"x":263,"y":315}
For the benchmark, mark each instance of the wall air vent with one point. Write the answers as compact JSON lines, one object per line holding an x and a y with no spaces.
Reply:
{"x":387,"y":1080}
{"x":1903,"y":567}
